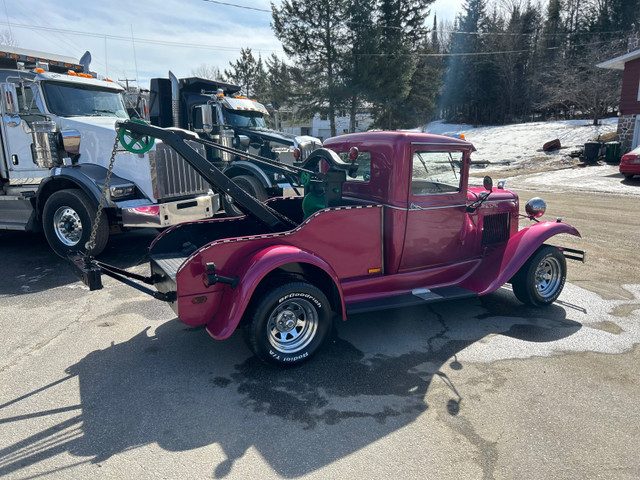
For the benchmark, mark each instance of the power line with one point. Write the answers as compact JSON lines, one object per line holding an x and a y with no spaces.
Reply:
{"x":129,"y":39}
{"x":238,"y":6}
{"x":469,"y":54}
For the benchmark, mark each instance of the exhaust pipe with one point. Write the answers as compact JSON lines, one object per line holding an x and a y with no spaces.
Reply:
{"x":175,"y":99}
{"x":85,"y":60}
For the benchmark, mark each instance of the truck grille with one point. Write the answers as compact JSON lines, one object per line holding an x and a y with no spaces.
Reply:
{"x":495,"y":228}
{"x":171,"y":176}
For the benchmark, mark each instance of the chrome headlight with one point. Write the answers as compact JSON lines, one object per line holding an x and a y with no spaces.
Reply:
{"x":536,"y":207}
{"x":122,"y":191}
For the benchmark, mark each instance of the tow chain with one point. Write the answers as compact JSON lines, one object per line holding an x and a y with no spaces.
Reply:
{"x":89,"y":246}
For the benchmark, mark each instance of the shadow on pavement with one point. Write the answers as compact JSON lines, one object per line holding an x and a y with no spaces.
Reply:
{"x":30,"y":266}
{"x":180,"y":390}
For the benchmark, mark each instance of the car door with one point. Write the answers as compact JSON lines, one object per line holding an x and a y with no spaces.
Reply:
{"x":437,"y":209}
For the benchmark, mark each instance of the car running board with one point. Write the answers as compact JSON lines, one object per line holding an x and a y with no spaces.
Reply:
{"x":419,"y":296}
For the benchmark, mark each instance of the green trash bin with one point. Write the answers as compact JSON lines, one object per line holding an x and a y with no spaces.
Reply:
{"x":612,"y":152}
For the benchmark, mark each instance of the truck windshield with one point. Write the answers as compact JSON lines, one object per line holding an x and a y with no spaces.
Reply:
{"x":68,"y":100}
{"x":238,"y":118}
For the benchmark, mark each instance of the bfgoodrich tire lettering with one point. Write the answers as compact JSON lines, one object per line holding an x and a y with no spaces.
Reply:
{"x":289,"y":324}
{"x":541,"y":279}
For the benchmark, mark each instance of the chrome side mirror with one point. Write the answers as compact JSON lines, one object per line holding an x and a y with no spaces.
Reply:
{"x":10,"y":99}
{"x":206,"y":114}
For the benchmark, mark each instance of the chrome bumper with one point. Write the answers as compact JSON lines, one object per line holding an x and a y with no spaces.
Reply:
{"x":169,"y":213}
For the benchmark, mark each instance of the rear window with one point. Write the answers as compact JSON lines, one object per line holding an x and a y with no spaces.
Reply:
{"x":364,"y":166}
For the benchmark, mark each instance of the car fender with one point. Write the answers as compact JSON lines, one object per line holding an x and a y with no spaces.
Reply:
{"x":500,"y":265}
{"x":251,"y":272}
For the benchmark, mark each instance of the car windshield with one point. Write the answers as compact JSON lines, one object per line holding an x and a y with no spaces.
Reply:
{"x":68,"y":100}
{"x":238,"y":118}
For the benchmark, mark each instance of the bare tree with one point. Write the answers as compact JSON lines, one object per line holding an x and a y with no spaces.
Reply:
{"x":207,"y":71}
{"x":7,"y":38}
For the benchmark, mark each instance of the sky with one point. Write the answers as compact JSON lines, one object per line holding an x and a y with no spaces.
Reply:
{"x":143,"y":39}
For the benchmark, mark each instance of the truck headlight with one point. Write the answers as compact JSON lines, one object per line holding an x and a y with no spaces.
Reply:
{"x":535,"y":207}
{"x":120,"y":192}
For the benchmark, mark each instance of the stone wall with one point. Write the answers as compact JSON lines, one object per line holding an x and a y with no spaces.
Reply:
{"x":626,"y":125}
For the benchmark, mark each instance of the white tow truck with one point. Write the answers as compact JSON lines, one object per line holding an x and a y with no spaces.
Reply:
{"x":58,"y":133}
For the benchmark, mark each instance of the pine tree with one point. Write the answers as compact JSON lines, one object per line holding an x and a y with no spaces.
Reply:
{"x":402,"y":31}
{"x":244,"y":72}
{"x":313,"y":33}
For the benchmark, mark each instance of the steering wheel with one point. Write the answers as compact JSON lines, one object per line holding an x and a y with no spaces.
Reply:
{"x":133,"y":142}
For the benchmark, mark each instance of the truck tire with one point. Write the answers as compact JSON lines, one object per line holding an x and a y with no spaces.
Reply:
{"x":289,"y":324}
{"x":67,"y":220}
{"x":249,"y":184}
{"x":541,"y":279}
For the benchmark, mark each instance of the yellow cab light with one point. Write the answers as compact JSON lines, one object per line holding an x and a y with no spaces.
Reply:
{"x":3,"y":54}
{"x":14,"y":55}
{"x":38,"y":70}
{"x":108,"y":80}
{"x":68,"y":65}
{"x":53,"y":62}
{"x":462,"y":137}
{"x":375,"y":270}
{"x":31,"y":59}
{"x":72,"y":73}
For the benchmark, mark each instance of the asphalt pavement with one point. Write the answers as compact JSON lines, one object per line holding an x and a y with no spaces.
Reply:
{"x":109,"y":384}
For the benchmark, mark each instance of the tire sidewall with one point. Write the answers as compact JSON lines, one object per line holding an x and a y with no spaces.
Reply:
{"x":60,"y":199}
{"x":251,"y":186}
{"x":258,"y":328}
{"x":541,"y":257}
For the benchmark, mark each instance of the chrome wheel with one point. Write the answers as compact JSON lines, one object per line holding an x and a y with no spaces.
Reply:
{"x":292,"y":325}
{"x":67,"y":226}
{"x":548,"y":277}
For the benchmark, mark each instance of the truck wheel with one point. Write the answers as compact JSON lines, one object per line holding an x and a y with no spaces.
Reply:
{"x":249,"y":184}
{"x":289,"y":324}
{"x":541,"y":279}
{"x":67,"y":220}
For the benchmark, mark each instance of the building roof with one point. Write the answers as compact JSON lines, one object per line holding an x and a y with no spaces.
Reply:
{"x":618,"y":62}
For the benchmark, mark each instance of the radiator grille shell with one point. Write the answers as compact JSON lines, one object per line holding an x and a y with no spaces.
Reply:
{"x":495,"y":228}
{"x":172,"y":177}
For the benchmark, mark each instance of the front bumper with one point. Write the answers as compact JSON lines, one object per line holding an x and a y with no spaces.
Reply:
{"x":170,"y":213}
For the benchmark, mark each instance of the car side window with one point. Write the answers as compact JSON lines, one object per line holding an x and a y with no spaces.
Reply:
{"x":436,"y":172}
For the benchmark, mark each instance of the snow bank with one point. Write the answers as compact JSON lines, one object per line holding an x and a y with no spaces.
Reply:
{"x":523,"y":142}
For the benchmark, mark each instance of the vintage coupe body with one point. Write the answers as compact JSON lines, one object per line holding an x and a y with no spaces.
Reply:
{"x":403,"y":229}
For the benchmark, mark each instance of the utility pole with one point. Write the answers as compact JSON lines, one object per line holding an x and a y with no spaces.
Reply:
{"x":126,"y":81}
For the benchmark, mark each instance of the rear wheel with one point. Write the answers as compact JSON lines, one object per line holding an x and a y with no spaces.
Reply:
{"x":628,"y":176}
{"x":541,"y":279}
{"x":249,"y":184}
{"x":67,"y":219}
{"x":289,"y":324}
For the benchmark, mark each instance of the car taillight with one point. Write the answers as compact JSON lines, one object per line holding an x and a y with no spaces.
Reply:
{"x":630,"y":158}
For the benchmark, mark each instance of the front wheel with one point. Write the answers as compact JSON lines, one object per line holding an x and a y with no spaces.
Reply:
{"x":67,"y":219}
{"x":289,"y":324}
{"x":541,"y":279}
{"x":250,"y":185}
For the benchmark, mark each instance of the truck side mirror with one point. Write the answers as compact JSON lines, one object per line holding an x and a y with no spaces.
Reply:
{"x":10,"y":99}
{"x":206,"y":115}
